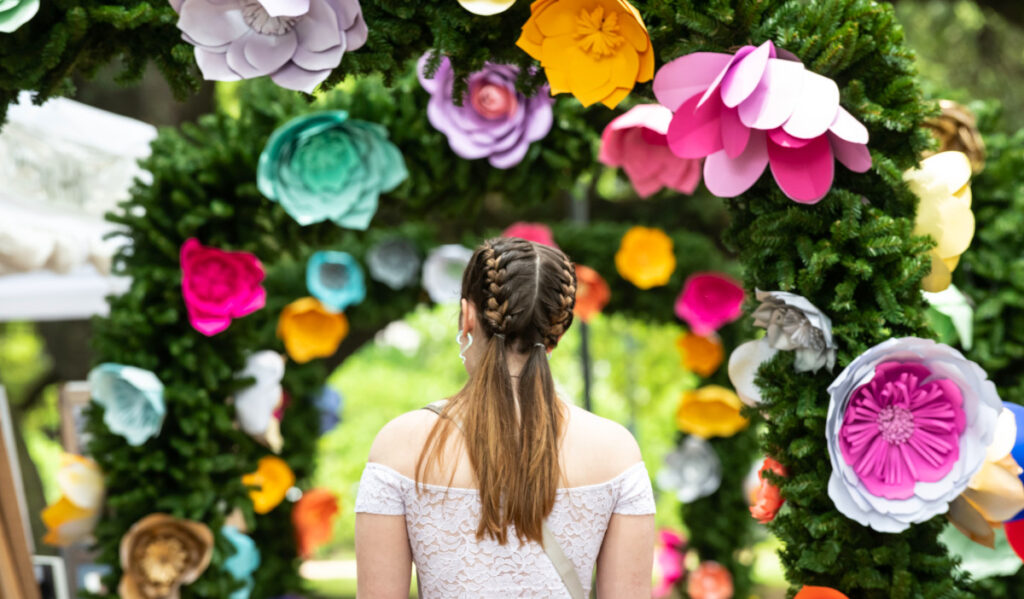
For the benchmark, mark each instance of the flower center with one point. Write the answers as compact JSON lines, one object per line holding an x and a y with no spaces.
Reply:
{"x":492,"y":101}
{"x":163,"y":561}
{"x":598,"y":34}
{"x":256,"y":17}
{"x":896,"y":424}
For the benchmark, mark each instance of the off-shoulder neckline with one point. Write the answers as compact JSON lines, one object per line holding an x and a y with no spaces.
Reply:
{"x":465,"y":490}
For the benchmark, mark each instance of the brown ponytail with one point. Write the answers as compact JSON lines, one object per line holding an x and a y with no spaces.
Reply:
{"x":524,"y":294}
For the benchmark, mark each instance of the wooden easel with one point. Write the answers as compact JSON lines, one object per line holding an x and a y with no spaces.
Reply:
{"x":17,"y":578}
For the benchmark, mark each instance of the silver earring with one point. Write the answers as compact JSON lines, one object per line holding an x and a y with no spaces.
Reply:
{"x":462,"y":350}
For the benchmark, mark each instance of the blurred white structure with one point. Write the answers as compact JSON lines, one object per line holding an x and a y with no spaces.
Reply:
{"x":62,"y":166}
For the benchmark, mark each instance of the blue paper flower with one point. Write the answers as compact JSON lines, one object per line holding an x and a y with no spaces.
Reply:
{"x":132,"y":399}
{"x":336,"y":279}
{"x":243,"y":563}
{"x":394,"y":262}
{"x":326,"y":166}
{"x":329,"y":403}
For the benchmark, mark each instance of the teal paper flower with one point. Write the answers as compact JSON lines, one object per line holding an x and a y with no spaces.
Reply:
{"x":15,"y":13}
{"x":336,"y":279}
{"x":326,"y":166}
{"x":132,"y":399}
{"x":243,"y":563}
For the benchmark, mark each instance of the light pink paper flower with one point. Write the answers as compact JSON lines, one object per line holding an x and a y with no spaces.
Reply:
{"x":636,"y":142}
{"x":219,"y":286}
{"x":753,"y":109}
{"x":708,"y":301}
{"x":535,"y":232}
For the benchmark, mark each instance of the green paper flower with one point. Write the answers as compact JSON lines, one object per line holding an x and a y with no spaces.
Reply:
{"x":326,"y":166}
{"x":15,"y":13}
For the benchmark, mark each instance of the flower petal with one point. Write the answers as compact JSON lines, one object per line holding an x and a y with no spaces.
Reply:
{"x":294,"y":77}
{"x":735,"y":134}
{"x":211,"y":24}
{"x":816,"y":107}
{"x":268,"y":53}
{"x":318,"y":31}
{"x":728,"y":177}
{"x":804,"y":174}
{"x":743,"y":365}
{"x":745,"y":75}
{"x":696,"y":132}
{"x":854,"y":156}
{"x":285,"y":8}
{"x":486,"y":7}
{"x":688,"y":76}
{"x":848,"y":128}
{"x":776,"y":96}
{"x":214,"y":66}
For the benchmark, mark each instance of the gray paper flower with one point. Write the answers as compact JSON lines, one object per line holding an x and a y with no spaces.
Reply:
{"x":394,"y":262}
{"x":795,"y":324}
{"x":442,"y":272}
{"x":691,"y":471}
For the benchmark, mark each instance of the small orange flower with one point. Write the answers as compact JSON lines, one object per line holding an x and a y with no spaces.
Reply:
{"x":597,"y":50}
{"x":711,"y":411}
{"x":592,"y":293}
{"x":767,"y":498}
{"x":309,"y":330}
{"x":645,"y":257}
{"x":273,"y":478}
{"x":808,"y":592}
{"x":313,"y":518}
{"x":711,"y":580}
{"x":701,"y":355}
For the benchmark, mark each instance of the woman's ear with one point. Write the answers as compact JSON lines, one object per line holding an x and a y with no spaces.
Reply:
{"x":467,"y":316}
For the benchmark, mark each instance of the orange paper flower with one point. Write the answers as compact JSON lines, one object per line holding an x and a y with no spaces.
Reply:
{"x":273,"y":477}
{"x":819,"y":593}
{"x":701,"y":355}
{"x":767,"y":498}
{"x":309,"y":330}
{"x":596,"y":50}
{"x":711,"y":411}
{"x":645,"y":257}
{"x":313,"y":518}
{"x":592,"y":293}
{"x":710,"y":581}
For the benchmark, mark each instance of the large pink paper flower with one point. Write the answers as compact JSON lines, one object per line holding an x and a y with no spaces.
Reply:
{"x":753,"y":109}
{"x":535,"y":232}
{"x":636,"y":141}
{"x":708,"y":301}
{"x":669,"y":562}
{"x":219,"y":286}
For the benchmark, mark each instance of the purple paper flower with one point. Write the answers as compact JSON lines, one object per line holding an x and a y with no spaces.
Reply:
{"x":296,"y":42}
{"x":495,"y":121}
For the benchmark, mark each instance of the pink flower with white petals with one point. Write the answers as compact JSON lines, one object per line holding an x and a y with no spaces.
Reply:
{"x":754,"y":109}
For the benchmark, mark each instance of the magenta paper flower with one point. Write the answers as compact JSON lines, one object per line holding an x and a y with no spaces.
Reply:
{"x":535,"y":232}
{"x":636,"y":142}
{"x":296,"y":42}
{"x":495,"y":121}
{"x":908,"y":426}
{"x":708,"y":301}
{"x":219,"y":286}
{"x":669,"y":562}
{"x":753,"y":109}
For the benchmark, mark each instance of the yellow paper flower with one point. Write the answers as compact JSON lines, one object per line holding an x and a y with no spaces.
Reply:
{"x":700,"y":355}
{"x":487,"y":7}
{"x":597,"y":50}
{"x":943,"y":186}
{"x":274,"y":477}
{"x":74,"y":516}
{"x":711,"y":411}
{"x":309,"y":330}
{"x":645,"y":257}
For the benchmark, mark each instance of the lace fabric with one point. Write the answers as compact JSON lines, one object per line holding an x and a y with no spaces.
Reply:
{"x":451,"y":562}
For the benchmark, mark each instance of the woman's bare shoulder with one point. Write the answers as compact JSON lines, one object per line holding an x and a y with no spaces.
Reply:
{"x":400,"y":441}
{"x":597,"y":449}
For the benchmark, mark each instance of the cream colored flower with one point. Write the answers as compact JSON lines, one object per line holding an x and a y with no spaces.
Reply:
{"x":487,"y":7}
{"x":74,"y":516}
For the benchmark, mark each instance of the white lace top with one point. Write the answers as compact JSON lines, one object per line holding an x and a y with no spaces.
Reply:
{"x":451,"y":562}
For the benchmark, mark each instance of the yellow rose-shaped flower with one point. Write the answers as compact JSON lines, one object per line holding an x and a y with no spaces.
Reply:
{"x":944,"y":212}
{"x":309,"y":330}
{"x":274,"y":477}
{"x":487,"y":7}
{"x":711,"y":411}
{"x":645,"y":257}
{"x":701,"y":355}
{"x":596,"y":50}
{"x":74,"y":516}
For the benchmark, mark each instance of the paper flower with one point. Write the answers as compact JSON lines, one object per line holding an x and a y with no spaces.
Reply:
{"x":592,"y":293}
{"x":751,"y":110}
{"x":160,"y":553}
{"x":943,"y":185}
{"x":636,"y":142}
{"x":951,"y":316}
{"x":956,"y":129}
{"x":313,"y":518}
{"x":243,"y":562}
{"x":255,"y":404}
{"x":669,"y":562}
{"x":336,"y":279}
{"x":1015,"y":535}
{"x":691,"y":471}
{"x":132,"y":400}
{"x":809,"y":592}
{"x":908,"y":425}
{"x":219,"y":286}
{"x":394,"y":262}
{"x":486,"y":7}
{"x":328,"y":405}
{"x":326,"y":166}
{"x":710,"y":300}
{"x":795,"y":324}
{"x":442,"y":272}
{"x":645,"y":257}
{"x":597,"y":50}
{"x":711,"y":580}
{"x":1018,"y":445}
{"x":494,"y":121}
{"x":15,"y":13}
{"x":767,"y":499}
{"x":710,"y":411}
{"x":744,"y":362}
{"x":297,"y":43}
{"x":74,"y":516}
{"x":701,"y":355}
{"x":535,"y":232}
{"x":272,"y":479}
{"x":309,"y":330}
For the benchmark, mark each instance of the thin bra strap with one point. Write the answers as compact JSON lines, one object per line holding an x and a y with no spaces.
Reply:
{"x":563,"y":565}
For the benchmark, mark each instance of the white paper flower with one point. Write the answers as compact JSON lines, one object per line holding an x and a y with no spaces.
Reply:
{"x":909,"y":422}
{"x":255,"y":405}
{"x":75,"y":515}
{"x":743,"y":364}
{"x":795,"y":324}
{"x":442,"y":272}
{"x":691,"y":471}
